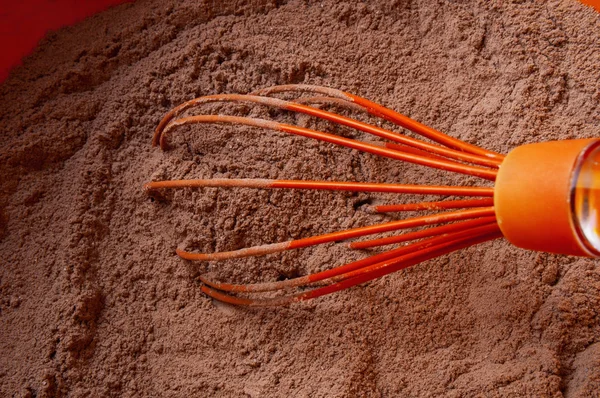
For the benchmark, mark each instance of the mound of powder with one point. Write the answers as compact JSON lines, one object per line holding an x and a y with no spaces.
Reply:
{"x":93,"y":299}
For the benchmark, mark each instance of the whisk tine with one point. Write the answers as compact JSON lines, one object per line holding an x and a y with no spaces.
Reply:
{"x":440,"y":205}
{"x":385,"y":113}
{"x":322,"y":185}
{"x":424,"y":233}
{"x":362,"y":275}
{"x":471,"y":223}
{"x":417,"y":151}
{"x":329,"y":101}
{"x":438,"y":218}
{"x":488,"y":174}
{"x":410,"y":145}
{"x":465,"y":227}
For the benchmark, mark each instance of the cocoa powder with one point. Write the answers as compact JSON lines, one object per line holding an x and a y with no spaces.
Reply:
{"x":93,"y":299}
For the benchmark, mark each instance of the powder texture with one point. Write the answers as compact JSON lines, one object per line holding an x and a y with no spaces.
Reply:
{"x":93,"y":299}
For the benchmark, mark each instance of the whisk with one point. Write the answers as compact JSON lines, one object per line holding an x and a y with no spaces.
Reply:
{"x":545,"y":195}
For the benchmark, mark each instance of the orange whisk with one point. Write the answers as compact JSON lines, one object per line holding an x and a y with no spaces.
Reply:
{"x":545,"y":195}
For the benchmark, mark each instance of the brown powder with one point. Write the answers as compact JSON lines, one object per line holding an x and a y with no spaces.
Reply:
{"x":93,"y":301}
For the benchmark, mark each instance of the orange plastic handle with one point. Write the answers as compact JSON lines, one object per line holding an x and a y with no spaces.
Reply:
{"x":592,"y":3}
{"x":533,"y":197}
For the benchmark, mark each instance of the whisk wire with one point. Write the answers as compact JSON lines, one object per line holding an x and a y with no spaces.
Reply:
{"x":365,"y":274}
{"x":432,"y":219}
{"x":448,"y":165}
{"x":471,"y":223}
{"x":385,"y":113}
{"x":438,"y":205}
{"x":410,"y":145}
{"x":465,"y":227}
{"x":427,"y":232}
{"x":323,"y":185}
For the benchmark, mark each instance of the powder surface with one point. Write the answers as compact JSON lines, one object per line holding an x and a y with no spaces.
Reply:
{"x":93,"y":299}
